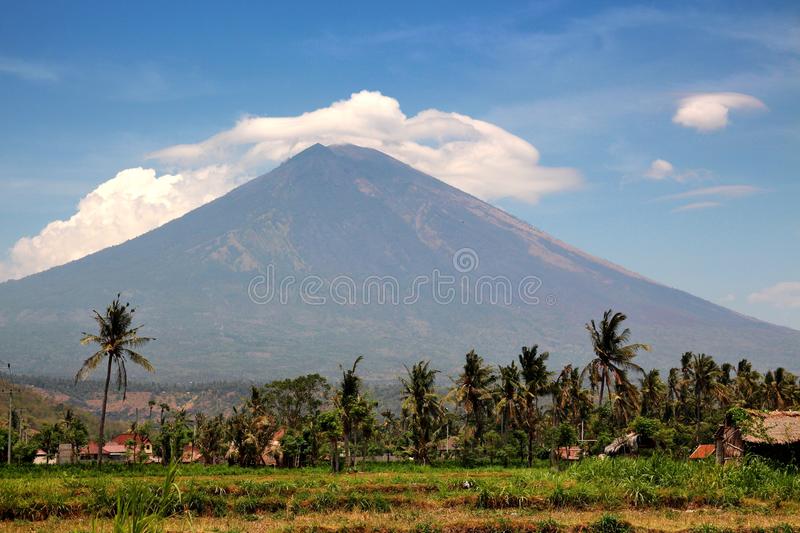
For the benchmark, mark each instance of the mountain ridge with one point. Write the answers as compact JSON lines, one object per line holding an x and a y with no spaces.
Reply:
{"x":351,"y":211}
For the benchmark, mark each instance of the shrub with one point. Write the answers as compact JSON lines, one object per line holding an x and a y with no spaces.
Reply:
{"x":610,"y":523}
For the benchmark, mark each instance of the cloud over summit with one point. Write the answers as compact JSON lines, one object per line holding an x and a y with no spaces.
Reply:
{"x":470,"y":154}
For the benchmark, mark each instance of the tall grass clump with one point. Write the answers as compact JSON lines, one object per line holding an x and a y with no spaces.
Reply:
{"x":610,"y":523}
{"x":141,"y":509}
{"x":661,"y":480}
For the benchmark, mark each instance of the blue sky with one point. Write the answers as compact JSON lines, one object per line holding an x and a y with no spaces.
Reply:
{"x":90,"y":89}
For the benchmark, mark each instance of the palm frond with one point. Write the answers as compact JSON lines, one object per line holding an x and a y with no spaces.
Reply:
{"x":139,"y":360}
{"x":89,"y":365}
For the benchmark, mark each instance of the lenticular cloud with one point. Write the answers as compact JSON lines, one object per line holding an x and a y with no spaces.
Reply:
{"x":473,"y":155}
{"x":709,"y":111}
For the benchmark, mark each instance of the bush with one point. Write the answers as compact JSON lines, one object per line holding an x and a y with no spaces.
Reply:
{"x":610,"y":523}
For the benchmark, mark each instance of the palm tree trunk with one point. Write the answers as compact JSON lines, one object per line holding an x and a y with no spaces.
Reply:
{"x":101,"y":440}
{"x":530,"y":447}
{"x":697,"y":415}
{"x":602,"y":386}
{"x":346,"y":450}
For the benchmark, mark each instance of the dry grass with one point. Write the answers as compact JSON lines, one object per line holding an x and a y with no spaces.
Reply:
{"x":448,"y":521}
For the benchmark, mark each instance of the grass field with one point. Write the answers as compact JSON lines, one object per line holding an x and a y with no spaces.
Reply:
{"x":655,"y":494}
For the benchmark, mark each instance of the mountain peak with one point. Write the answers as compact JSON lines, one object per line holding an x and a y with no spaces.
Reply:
{"x":315,"y":150}
{"x":338,"y":216}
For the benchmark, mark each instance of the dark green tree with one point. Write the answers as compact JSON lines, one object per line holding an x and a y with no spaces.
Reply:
{"x":654,"y":394}
{"x":117,"y":341}
{"x":702,"y":376}
{"x":423,"y":407}
{"x":348,"y":400}
{"x":473,"y":392}
{"x":613,"y":355}
{"x":535,"y":383}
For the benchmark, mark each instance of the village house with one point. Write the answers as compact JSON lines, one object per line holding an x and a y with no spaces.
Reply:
{"x":136,"y":445}
{"x":41,"y":458}
{"x":770,"y":434}
{"x":703,"y":451}
{"x":569,"y":453}
{"x":191,"y":454}
{"x":124,"y":447}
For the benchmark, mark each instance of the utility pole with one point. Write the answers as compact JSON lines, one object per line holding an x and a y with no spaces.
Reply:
{"x":10,"y":411}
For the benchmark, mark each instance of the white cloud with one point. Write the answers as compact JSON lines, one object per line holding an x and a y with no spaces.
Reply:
{"x":709,"y":111}
{"x":728,"y":298}
{"x":27,"y":70}
{"x":126,"y":206}
{"x":696,"y":206}
{"x":659,"y":170}
{"x":785,"y":294}
{"x":719,"y":191}
{"x":470,"y":154}
{"x":708,"y":197}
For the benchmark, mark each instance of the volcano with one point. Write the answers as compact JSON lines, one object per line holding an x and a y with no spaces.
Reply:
{"x":344,"y":251}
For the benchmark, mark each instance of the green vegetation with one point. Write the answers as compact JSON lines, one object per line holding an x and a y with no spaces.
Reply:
{"x":490,"y":447}
{"x":144,"y":495}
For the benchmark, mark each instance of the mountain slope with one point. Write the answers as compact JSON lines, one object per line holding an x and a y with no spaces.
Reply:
{"x":343,"y":215}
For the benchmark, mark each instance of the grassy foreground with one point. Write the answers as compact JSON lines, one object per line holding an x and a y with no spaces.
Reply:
{"x":613,"y":496}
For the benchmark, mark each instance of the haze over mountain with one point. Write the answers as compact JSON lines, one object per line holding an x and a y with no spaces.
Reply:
{"x":342,"y":215}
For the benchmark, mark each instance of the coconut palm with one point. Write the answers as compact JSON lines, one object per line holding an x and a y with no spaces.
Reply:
{"x":473,"y":391}
{"x":702,"y":376}
{"x":571,"y":402}
{"x":747,"y":384}
{"x":614,"y":357}
{"x":654,"y":392}
{"x":778,"y":388}
{"x":422,"y":407}
{"x":348,"y":400}
{"x":117,"y":341}
{"x":536,"y":382}
{"x":507,"y":405}
{"x":625,"y":401}
{"x":673,"y":393}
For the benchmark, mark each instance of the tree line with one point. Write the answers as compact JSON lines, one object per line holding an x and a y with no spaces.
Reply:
{"x":506,"y":414}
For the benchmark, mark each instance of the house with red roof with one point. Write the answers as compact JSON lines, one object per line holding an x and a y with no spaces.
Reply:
{"x":703,"y":451}
{"x":124,"y":447}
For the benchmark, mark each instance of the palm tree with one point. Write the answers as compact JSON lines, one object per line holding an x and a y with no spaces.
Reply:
{"x":625,"y":401}
{"x":702,"y":375}
{"x":614,"y":357}
{"x":421,"y":403}
{"x":747,"y":385}
{"x":726,"y":380}
{"x":654,"y":393}
{"x":674,"y":393}
{"x":473,"y":391}
{"x":507,"y":405}
{"x":348,"y":399}
{"x":116,"y":340}
{"x":533,"y":367}
{"x":778,"y":388}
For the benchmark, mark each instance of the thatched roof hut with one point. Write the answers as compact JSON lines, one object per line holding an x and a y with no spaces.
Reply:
{"x":621,"y":445}
{"x":774,"y":434}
